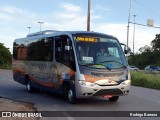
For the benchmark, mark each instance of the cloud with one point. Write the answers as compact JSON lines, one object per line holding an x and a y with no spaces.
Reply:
{"x":101,"y":8}
{"x":67,"y":16}
{"x":10,"y":10}
{"x":71,"y":17}
{"x":5,"y":17}
{"x":70,"y":7}
{"x":95,"y":17}
{"x":111,"y":29}
{"x":14,"y":23}
{"x":6,"y":13}
{"x":13,"y":16}
{"x":143,"y":35}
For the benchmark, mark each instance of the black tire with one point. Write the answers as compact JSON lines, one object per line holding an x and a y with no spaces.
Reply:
{"x":29,"y":86}
{"x":114,"y":98}
{"x":69,"y":94}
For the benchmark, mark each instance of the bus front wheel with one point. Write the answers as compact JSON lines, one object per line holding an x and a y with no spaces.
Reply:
{"x":69,"y":94}
{"x":71,"y":97}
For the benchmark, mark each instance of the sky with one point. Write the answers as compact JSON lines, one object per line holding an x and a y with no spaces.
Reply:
{"x":107,"y":16}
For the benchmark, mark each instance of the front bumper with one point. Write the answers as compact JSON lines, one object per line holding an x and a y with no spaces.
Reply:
{"x":87,"y":91}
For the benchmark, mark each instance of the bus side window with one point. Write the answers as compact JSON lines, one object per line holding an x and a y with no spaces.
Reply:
{"x":64,"y":51}
{"x":58,"y":50}
{"x":40,"y":50}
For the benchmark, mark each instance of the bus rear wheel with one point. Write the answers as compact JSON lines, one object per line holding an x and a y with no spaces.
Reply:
{"x":114,"y":98}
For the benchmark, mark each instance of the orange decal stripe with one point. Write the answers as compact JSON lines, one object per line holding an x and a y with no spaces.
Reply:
{"x":42,"y":83}
{"x":71,"y":72}
{"x":19,"y":70}
{"x":90,"y":78}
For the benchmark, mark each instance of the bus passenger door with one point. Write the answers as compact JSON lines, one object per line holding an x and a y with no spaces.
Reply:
{"x":64,"y":57}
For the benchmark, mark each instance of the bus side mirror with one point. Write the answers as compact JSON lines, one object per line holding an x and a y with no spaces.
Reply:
{"x":126,"y":48}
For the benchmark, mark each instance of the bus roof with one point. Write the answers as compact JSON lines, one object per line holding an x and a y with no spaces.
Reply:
{"x":53,"y":32}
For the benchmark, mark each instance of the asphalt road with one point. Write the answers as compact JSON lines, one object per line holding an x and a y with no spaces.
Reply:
{"x":139,"y":99}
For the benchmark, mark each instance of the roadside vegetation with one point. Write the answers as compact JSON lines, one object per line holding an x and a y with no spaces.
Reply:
{"x":5,"y":57}
{"x":145,"y":80}
{"x":148,"y":55}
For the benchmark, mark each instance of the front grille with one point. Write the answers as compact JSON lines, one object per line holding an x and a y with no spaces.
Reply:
{"x":108,"y":92}
{"x":108,"y":85}
{"x":108,"y":74}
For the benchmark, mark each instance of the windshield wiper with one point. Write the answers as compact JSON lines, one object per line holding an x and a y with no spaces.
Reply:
{"x":114,"y":61}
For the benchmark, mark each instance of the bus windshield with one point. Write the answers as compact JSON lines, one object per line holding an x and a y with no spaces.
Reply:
{"x":99,"y":51}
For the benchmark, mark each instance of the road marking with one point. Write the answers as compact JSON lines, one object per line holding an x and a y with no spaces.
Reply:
{"x":68,"y":116}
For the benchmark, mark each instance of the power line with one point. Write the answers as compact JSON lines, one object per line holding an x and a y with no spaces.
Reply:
{"x":147,"y":8}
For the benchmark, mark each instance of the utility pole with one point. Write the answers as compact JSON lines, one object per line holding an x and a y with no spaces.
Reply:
{"x":40,"y":23}
{"x":134,"y":32}
{"x":128,"y":23}
{"x":29,"y":29}
{"x":88,"y":17}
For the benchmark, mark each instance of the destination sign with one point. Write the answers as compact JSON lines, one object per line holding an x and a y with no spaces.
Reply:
{"x":86,"y":39}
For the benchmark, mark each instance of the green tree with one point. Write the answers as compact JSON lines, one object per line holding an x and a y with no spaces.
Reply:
{"x":148,"y":55}
{"x":146,"y":48}
{"x":156,"y":43}
{"x":5,"y":55}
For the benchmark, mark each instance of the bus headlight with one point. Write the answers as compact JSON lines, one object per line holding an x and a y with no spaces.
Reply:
{"x":126,"y":82}
{"x":84,"y":83}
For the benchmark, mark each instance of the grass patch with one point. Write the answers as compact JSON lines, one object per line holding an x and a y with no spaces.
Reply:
{"x":6,"y":66}
{"x":145,"y":80}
